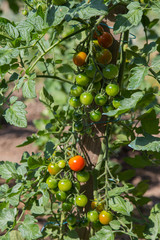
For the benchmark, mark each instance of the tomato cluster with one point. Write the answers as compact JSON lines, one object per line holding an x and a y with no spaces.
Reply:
{"x":95,"y":85}
{"x":64,"y":183}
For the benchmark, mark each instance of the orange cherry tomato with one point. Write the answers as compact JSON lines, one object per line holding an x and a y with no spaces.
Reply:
{"x":104,"y":56}
{"x":53,"y":168}
{"x":77,"y":163}
{"x":79,"y":59}
{"x":105,"y":40}
{"x":105,"y":217}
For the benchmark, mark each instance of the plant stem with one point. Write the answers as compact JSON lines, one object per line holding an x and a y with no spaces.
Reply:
{"x":54,"y":45}
{"x":54,"y":77}
{"x":122,"y":59}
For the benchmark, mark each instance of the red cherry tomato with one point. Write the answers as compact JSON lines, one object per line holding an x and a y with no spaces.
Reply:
{"x":77,"y":163}
{"x":99,"y":31}
{"x":79,"y":59}
{"x":105,"y":40}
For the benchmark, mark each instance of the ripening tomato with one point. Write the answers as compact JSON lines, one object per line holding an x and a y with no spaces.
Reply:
{"x":74,"y":102}
{"x":76,"y":90}
{"x":64,"y":185}
{"x":105,"y":40}
{"x":52,"y":182}
{"x":77,"y":163}
{"x":112,"y":89}
{"x":79,"y":59}
{"x":81,"y":200}
{"x":95,"y":115}
{"x":100,"y":99}
{"x":98,"y":205}
{"x":86,"y":98}
{"x":104,"y":56}
{"x":53,"y":168}
{"x":98,"y":31}
{"x":110,"y":71}
{"x":61,"y":163}
{"x":105,"y":217}
{"x":61,"y":196}
{"x":92,"y":216}
{"x":82,"y":79}
{"x":82,"y":176}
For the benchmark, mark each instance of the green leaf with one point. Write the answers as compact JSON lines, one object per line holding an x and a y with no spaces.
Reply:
{"x":126,"y":175}
{"x":149,"y":48}
{"x":138,"y":161}
{"x":147,"y":118}
{"x":146,"y":143}
{"x":87,"y":10}
{"x":29,"y":90}
{"x":55,"y":15}
{"x":29,"y":229}
{"x":153,"y":23}
{"x":140,"y":189}
{"x":35,"y":161}
{"x":12,"y":31}
{"x":7,"y":169}
{"x":13,"y":99}
{"x":115,"y":224}
{"x":126,"y":104}
{"x":155,"y":64}
{"x":6,"y":55}
{"x":13,"y":77}
{"x":38,"y":210}
{"x":119,"y":205}
{"x":46,"y":98}
{"x":7,"y":217}
{"x":15,"y":235}
{"x":156,"y":8}
{"x":49,"y":149}
{"x":125,"y":22}
{"x":152,"y":230}
{"x":119,"y":190}
{"x":16,"y":115}
{"x":105,"y":233}
{"x":29,"y":140}
{"x":72,"y":235}
{"x":138,"y":75}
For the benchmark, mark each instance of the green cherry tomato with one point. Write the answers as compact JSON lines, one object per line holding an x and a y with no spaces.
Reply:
{"x":83,"y":176}
{"x":98,"y":77}
{"x":110,"y":71}
{"x":92,"y":216}
{"x":58,"y":2}
{"x":95,"y":115}
{"x":24,"y":12}
{"x":116,"y":103}
{"x":78,"y":126}
{"x":77,"y":185}
{"x":64,"y":184}
{"x":81,"y":200}
{"x":86,"y":98}
{"x":96,"y":87}
{"x":61,"y":164}
{"x":61,"y":196}
{"x":82,"y":79}
{"x":76,"y":90}
{"x":107,"y":108}
{"x":71,"y":219}
{"x":53,"y":168}
{"x":97,"y":225}
{"x":66,"y":206}
{"x":100,"y":99}
{"x":74,"y":102}
{"x":52,"y":182}
{"x":76,"y":116}
{"x":112,"y":89}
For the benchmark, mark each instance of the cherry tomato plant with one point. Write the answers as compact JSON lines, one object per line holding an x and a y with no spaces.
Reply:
{"x":101,"y":94}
